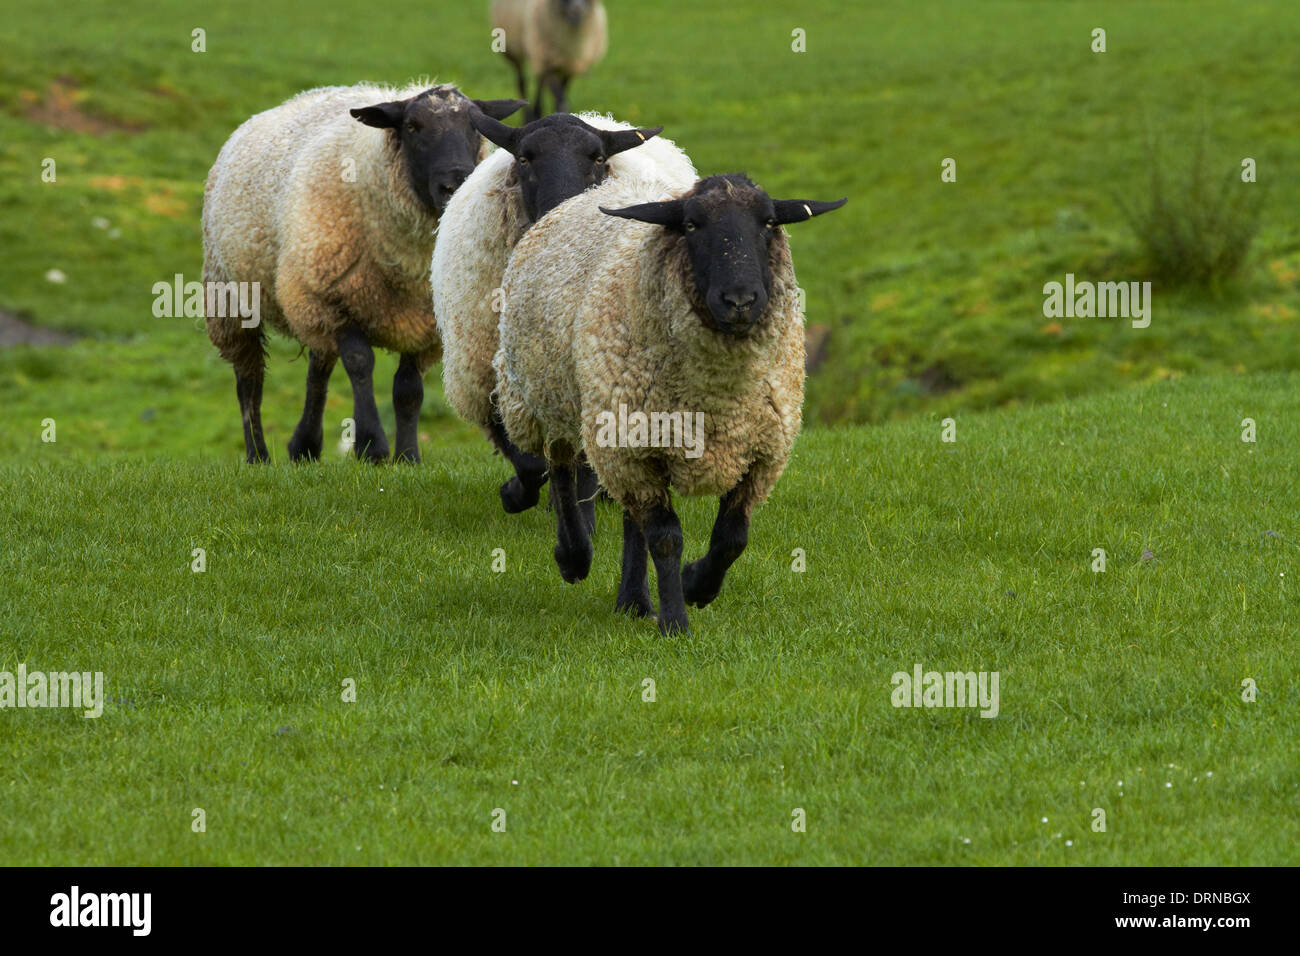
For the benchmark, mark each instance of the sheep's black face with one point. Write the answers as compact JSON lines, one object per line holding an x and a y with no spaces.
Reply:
{"x":559,"y":156}
{"x":574,"y":11}
{"x":728,"y":225}
{"x":437,"y":142}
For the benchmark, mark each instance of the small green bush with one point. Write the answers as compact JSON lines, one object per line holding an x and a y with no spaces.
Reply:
{"x":1194,"y":229}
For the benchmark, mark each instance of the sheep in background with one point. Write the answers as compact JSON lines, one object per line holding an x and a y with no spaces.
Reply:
{"x":557,"y":39}
{"x":538,"y":167}
{"x":329,"y":201}
{"x":692,"y":309}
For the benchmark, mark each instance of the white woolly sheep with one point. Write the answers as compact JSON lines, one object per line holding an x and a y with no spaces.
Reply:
{"x":538,"y":167}
{"x":685,"y":322}
{"x":558,"y":39}
{"x":334,"y":219}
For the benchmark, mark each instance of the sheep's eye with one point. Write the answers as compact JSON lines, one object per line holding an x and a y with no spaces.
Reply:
{"x":598,"y":160}
{"x":412,"y":128}
{"x":690,"y":227}
{"x":771,"y":224}
{"x":523,"y":160}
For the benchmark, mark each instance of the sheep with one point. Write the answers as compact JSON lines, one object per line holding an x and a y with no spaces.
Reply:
{"x":333,"y":216}
{"x":538,"y":167}
{"x":558,"y":39}
{"x":693,"y":309}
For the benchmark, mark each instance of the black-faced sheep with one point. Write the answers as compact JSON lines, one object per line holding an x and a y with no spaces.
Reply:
{"x":329,"y":202}
{"x":689,"y":313}
{"x":557,"y":39}
{"x":538,"y":167}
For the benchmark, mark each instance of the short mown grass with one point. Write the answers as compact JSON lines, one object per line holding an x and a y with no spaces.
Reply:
{"x":479,"y":690}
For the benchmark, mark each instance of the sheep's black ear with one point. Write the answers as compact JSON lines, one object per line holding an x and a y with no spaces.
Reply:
{"x":499,"y":109}
{"x":494,"y":131}
{"x":797,"y":210}
{"x":618,"y":140}
{"x":668,"y":213}
{"x":382,"y":115}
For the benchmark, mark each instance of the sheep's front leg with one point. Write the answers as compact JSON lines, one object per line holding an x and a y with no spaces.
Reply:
{"x":519,"y":75}
{"x":560,"y":91}
{"x":573,"y":550}
{"x":634,"y":585}
{"x":663,"y":535}
{"x":702,"y":579}
{"x":309,"y":436}
{"x":522,"y":491}
{"x":588,"y":488}
{"x":359,"y":362}
{"x":543,"y":81}
{"x":408,"y":396}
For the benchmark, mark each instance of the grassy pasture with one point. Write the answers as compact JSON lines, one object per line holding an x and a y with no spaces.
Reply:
{"x":479,"y":690}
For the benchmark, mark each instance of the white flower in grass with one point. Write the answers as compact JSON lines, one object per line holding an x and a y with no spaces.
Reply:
{"x":56,"y":276}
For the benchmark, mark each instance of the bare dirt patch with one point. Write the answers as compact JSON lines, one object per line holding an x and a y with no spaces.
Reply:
{"x":58,"y":109}
{"x":15,"y":330}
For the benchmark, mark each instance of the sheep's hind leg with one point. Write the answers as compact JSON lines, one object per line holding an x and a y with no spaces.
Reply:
{"x":634,"y":584}
{"x":309,"y":437}
{"x":359,"y":362}
{"x":663,"y":534}
{"x":573,"y":550}
{"x":249,"y":360}
{"x":408,"y":396}
{"x":522,"y":491}
{"x":702,"y":579}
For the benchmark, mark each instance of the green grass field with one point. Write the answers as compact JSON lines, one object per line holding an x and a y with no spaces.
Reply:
{"x":478,"y":690}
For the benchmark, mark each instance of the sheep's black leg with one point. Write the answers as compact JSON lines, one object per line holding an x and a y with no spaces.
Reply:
{"x":560,"y":90}
{"x":408,"y":396}
{"x":702,"y":579}
{"x":542,"y":79}
{"x":249,"y":360}
{"x":663,"y":535}
{"x":522,"y":491}
{"x":519,"y":75}
{"x":359,"y":362}
{"x":588,"y":487}
{"x":308,"y":437}
{"x":573,"y":550}
{"x":634,"y":585}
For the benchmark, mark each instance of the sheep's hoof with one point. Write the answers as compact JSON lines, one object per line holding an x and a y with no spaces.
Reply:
{"x":410,"y":456}
{"x":574,"y":564}
{"x":305,"y":449}
{"x":695,"y":589}
{"x":638,"y":605}
{"x":517,"y":497}
{"x":671,"y":625}
{"x":371,"y":450}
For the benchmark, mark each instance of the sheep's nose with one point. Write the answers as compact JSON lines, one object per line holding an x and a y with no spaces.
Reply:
{"x":450,"y":181}
{"x":739,"y":301}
